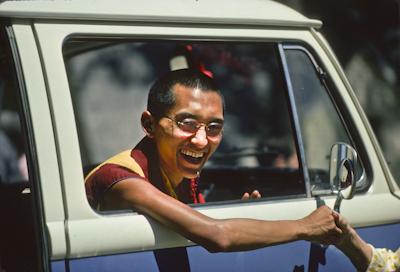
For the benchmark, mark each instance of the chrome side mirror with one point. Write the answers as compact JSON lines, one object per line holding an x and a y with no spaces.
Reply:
{"x":343,"y":161}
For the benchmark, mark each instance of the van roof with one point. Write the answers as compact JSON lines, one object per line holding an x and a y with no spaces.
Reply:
{"x":243,"y":12}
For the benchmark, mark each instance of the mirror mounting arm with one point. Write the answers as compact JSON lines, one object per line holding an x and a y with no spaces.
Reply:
{"x":343,"y":160}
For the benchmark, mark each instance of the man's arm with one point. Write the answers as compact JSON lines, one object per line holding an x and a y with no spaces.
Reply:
{"x":216,"y":234}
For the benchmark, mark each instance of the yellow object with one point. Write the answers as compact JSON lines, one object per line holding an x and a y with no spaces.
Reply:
{"x":384,"y":260}
{"x":123,"y":159}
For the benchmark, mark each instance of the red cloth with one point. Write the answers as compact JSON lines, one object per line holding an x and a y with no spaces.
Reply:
{"x":144,"y":154}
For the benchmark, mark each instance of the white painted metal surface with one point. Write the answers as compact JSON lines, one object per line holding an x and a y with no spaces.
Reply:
{"x":47,"y":160}
{"x":249,"y":12}
{"x":86,"y":228}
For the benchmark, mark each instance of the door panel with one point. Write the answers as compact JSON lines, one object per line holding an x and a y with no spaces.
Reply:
{"x":275,"y":258}
{"x":288,"y":257}
{"x":58,"y":266}
{"x":386,"y":236}
{"x":197,"y":258}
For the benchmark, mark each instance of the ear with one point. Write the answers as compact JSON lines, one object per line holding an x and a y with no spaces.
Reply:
{"x":148,"y":123}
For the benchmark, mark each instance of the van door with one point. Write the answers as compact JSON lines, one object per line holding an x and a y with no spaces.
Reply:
{"x":98,"y":76}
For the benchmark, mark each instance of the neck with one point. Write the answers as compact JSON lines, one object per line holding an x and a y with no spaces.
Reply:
{"x":170,"y":186}
{"x":174,"y":181}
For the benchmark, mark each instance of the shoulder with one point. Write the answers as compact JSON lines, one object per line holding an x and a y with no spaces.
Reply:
{"x":119,"y":167}
{"x":131,"y":160}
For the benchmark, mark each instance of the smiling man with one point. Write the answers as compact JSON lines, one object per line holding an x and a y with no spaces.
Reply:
{"x":184,"y":126}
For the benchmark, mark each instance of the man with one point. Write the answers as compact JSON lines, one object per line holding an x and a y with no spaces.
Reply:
{"x":184,"y":126}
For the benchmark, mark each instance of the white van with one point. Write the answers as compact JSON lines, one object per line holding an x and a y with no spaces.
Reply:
{"x":76,"y":76}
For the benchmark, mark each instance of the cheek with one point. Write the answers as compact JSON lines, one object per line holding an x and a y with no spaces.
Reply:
{"x":181,"y":135}
{"x":168,"y":144}
{"x":172,"y":134}
{"x":214,"y":143}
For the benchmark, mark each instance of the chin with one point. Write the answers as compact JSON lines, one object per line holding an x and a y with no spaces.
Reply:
{"x":190,"y":174}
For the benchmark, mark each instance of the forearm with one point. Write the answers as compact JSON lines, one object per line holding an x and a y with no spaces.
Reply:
{"x":247,"y":234}
{"x":358,"y":251}
{"x":217,"y":234}
{"x":222,"y":235}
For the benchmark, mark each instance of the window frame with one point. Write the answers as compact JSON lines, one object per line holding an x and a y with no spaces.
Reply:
{"x":295,"y":121}
{"x":347,"y":121}
{"x":273,"y":45}
{"x":34,"y":189}
{"x":43,"y":160}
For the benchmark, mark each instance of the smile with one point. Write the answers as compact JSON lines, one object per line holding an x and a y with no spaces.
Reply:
{"x":193,"y":154}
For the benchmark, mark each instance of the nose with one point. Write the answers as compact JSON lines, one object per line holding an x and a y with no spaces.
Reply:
{"x":199,"y":139}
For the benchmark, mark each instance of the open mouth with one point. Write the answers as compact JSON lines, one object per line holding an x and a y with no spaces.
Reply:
{"x":192,"y":157}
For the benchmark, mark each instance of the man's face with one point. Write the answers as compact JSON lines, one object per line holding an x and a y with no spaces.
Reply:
{"x":182,"y":153}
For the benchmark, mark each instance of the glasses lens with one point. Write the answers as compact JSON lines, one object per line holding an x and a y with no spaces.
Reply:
{"x":188,"y":125}
{"x":214,"y":129}
{"x":192,"y":125}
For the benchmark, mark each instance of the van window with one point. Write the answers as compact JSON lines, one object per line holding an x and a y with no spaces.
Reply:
{"x":109,"y":82}
{"x":320,"y":121}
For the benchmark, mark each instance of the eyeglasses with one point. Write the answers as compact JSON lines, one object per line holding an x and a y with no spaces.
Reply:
{"x":191,"y":125}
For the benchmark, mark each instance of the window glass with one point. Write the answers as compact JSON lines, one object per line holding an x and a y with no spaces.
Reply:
{"x":109,"y":83}
{"x":320,"y":122}
{"x":13,"y":167}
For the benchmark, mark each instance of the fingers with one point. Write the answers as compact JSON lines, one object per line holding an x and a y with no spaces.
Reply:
{"x":336,"y":215}
{"x":337,"y":220}
{"x":326,"y":225}
{"x":341,"y":233}
{"x":341,"y":222}
{"x":254,"y":195}
{"x":245,"y":196}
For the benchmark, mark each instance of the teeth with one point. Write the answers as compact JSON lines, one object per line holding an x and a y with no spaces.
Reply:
{"x":193,"y":154}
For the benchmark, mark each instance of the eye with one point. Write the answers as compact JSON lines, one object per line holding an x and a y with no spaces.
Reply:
{"x":214,"y":129}
{"x":189,"y":125}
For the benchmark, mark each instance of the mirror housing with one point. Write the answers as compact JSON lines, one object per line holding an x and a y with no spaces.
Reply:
{"x":343,"y":161}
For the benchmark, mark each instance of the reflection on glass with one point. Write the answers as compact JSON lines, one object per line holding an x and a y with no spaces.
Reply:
{"x":109,"y":83}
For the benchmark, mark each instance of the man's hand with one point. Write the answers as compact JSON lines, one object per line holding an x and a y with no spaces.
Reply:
{"x":254,"y":195}
{"x":320,"y":226}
